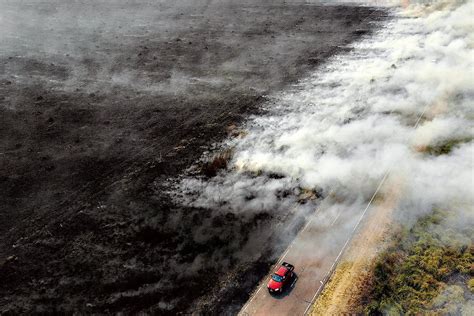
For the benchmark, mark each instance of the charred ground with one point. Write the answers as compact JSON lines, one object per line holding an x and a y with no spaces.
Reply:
{"x":99,"y":105}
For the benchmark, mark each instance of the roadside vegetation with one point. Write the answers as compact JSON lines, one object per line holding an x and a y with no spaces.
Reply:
{"x":445,"y":147}
{"x":429,"y":269}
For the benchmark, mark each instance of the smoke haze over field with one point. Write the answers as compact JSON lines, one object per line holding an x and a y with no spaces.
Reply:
{"x":100,"y":103}
{"x":374,"y":110}
{"x":393,"y":117}
{"x":103,"y":104}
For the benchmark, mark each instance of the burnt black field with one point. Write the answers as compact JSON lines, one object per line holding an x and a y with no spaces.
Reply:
{"x":100,"y":104}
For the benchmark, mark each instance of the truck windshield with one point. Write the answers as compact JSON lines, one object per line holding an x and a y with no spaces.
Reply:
{"x":277,"y":278}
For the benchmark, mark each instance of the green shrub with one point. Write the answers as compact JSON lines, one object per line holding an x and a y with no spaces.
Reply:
{"x":446,"y":147}
{"x":414,"y":271}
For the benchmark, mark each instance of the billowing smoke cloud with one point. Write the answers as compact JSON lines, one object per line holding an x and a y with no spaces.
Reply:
{"x":372,"y":111}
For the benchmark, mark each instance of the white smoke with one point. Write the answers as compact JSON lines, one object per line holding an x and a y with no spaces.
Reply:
{"x":364,"y":114}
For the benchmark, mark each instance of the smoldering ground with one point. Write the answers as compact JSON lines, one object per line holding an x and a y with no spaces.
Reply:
{"x":101,"y":103}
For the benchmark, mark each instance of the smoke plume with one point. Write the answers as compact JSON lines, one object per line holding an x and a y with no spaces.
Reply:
{"x":372,"y":111}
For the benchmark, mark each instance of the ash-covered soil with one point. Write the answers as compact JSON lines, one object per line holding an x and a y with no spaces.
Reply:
{"x":100,"y":104}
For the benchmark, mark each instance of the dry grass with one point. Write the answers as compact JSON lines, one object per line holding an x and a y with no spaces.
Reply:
{"x":425,"y":271}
